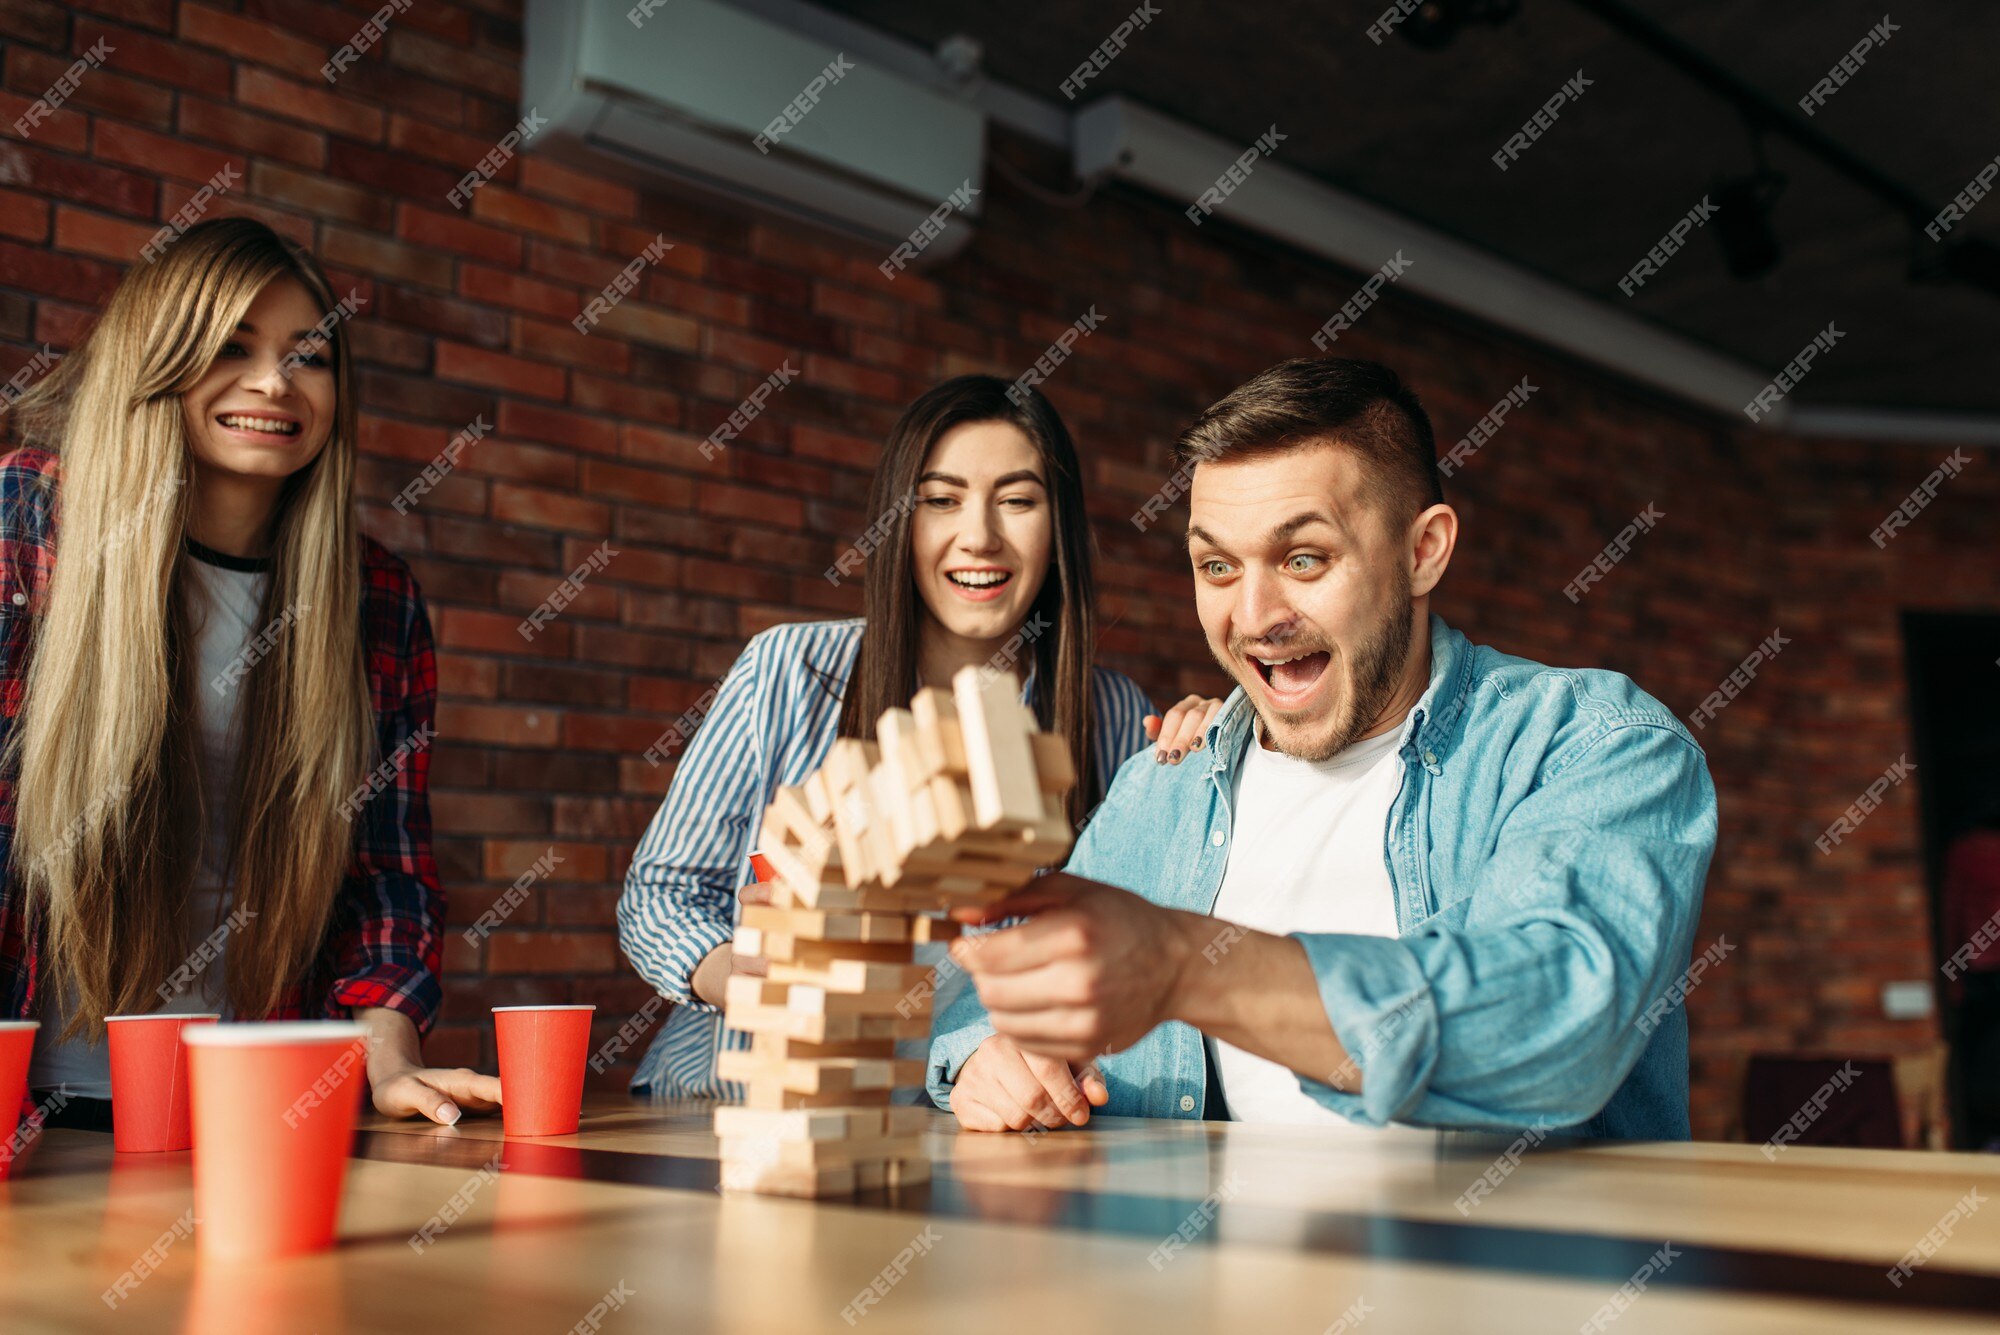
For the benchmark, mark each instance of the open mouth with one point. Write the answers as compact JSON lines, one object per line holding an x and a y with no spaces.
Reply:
{"x":258,"y":425}
{"x":980,"y":585}
{"x":1292,"y":677}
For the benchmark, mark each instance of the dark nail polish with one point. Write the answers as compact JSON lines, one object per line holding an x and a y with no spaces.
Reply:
{"x":1175,"y":757}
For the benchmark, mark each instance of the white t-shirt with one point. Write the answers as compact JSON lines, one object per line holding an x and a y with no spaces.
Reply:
{"x":1305,"y":855}
{"x":226,"y":603}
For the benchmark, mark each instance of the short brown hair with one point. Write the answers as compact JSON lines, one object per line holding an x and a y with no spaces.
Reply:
{"x":1363,"y":406}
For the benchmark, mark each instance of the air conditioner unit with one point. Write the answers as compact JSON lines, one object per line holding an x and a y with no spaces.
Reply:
{"x":679,"y":92}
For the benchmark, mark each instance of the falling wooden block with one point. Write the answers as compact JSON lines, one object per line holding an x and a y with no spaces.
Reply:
{"x":1054,"y":771}
{"x":999,"y":759}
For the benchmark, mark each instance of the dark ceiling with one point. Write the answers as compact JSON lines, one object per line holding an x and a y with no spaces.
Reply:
{"x":1415,"y":130}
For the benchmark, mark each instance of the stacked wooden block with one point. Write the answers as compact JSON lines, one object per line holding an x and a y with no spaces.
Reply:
{"x":958,"y":801}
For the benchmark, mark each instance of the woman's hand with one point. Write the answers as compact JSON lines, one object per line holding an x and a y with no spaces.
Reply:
{"x":711,"y":977}
{"x":1001,"y":1088}
{"x":1181,"y":732}
{"x":404,"y":1087}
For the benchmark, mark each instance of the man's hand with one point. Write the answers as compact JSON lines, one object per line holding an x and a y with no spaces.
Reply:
{"x":1182,"y":731}
{"x":1091,"y":972}
{"x":1001,"y":1088}
{"x":404,"y":1087}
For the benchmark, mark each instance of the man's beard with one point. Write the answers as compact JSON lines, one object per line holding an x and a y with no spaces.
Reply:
{"x":1373,"y":671}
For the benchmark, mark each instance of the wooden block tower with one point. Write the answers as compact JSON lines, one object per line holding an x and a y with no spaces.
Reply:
{"x":958,"y":801}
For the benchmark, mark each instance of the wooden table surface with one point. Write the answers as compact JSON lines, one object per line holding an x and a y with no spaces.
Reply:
{"x":620,"y":1228}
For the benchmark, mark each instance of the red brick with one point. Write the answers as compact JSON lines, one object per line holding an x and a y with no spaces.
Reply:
{"x":625,"y":399}
{"x":65,"y":128}
{"x":513,"y":290}
{"x":552,"y":952}
{"x":456,"y":150}
{"x":561,"y":343}
{"x":100,"y":88}
{"x":644,"y":485}
{"x":591,"y":600}
{"x":497,"y":370}
{"x":450,"y":231}
{"x":543,"y":508}
{"x":135,"y":52}
{"x":692,"y":298}
{"x":753,"y":504}
{"x":609,"y":732}
{"x":499,"y":632}
{"x":303,"y":102}
{"x":95,"y":234}
{"x":66,"y":276}
{"x":634,"y":319}
{"x":322,"y":196}
{"x":75,"y":182}
{"x":518,"y":462}
{"x":508,"y":859}
{"x":253,"y":40}
{"x":395,"y":173}
{"x":497,"y":204}
{"x":380,"y":255}
{"x":225,"y":125}
{"x":542,"y":176}
{"x":832,"y":374}
{"x":453,"y":64}
{"x":34,"y":22}
{"x":168,"y":157}
{"x":533,"y":421}
{"x":501,"y":725}
{"x":24,"y":216}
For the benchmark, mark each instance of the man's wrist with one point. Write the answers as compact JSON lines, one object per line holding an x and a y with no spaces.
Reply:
{"x":1188,"y":939}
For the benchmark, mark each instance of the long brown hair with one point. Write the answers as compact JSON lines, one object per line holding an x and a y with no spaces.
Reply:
{"x":885,"y":673}
{"x":109,"y":818}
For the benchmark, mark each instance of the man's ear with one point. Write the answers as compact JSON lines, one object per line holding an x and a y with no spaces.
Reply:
{"x":1432,"y":539}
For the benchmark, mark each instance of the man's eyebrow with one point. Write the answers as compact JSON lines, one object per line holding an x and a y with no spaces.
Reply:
{"x":1278,"y":533}
{"x":1291,"y":526}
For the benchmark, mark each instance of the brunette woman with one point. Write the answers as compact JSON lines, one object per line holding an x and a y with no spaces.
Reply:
{"x":986,"y":560}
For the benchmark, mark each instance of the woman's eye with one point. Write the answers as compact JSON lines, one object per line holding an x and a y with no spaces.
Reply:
{"x":1019,"y":502}
{"x":313,"y":359}
{"x":234,"y":349}
{"x":940,"y":502}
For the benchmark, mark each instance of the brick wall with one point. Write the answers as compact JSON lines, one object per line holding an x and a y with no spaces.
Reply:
{"x":595,"y":439}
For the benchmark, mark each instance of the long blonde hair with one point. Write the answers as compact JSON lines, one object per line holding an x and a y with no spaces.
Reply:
{"x":110,"y":819}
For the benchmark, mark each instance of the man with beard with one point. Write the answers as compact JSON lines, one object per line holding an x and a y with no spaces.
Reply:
{"x":1406,"y":878}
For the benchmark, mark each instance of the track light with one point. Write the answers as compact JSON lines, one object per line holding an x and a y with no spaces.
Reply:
{"x":1743,"y":224}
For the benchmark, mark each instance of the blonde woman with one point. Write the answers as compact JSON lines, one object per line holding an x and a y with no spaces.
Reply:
{"x":216,"y":694}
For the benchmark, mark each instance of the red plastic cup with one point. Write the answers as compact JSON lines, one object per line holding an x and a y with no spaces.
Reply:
{"x":274,"y":1108}
{"x":17,"y":1047}
{"x":761,"y":867}
{"x":543,"y":1050}
{"x":149,"y":1082}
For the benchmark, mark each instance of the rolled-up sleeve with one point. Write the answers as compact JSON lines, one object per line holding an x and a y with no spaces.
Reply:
{"x":1527,"y":1013}
{"x":386,"y":937}
{"x":679,"y":901}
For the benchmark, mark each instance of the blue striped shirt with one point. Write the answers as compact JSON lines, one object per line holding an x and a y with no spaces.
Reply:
{"x":771,"y":724}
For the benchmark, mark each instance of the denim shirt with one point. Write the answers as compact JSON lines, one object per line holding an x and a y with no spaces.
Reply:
{"x":1547,"y":848}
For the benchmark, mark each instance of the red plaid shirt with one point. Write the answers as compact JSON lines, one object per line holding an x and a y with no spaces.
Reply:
{"x":383,"y":946}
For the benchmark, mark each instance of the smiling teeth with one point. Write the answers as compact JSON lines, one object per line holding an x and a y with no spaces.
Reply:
{"x":978,"y":579}
{"x":1280,"y":662}
{"x":269,"y":424}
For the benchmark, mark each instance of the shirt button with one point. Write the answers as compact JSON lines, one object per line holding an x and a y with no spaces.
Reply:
{"x":20,"y":598}
{"x":1216,"y":839}
{"x":1430,"y":758}
{"x":1187,"y":1103}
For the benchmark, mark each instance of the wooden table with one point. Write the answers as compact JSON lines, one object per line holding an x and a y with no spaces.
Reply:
{"x":1286,"y":1230}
